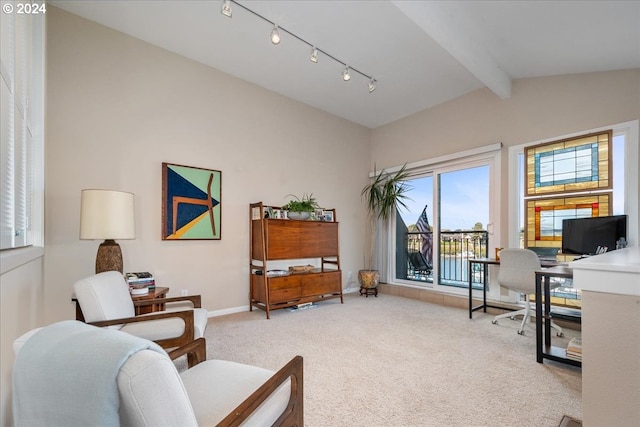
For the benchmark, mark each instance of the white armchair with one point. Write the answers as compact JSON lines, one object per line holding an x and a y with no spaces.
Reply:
{"x":148,"y":390}
{"x":105,"y":301}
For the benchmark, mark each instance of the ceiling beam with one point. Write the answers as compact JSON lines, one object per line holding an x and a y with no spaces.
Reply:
{"x":435,"y":20}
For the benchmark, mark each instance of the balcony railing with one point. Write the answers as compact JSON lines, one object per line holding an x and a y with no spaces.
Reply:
{"x":456,"y":248}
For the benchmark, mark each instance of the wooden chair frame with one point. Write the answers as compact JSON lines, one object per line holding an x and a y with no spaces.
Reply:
{"x":293,"y":415}
{"x":183,"y":344}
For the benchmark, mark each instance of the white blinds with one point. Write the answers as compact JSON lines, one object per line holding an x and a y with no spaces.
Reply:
{"x":22,"y":123}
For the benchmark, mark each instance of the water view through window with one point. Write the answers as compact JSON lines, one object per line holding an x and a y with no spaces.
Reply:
{"x":461,"y":198}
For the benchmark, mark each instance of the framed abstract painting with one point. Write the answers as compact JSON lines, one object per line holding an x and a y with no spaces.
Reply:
{"x":191,"y":203}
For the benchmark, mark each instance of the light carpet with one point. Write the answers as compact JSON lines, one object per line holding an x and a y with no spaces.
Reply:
{"x":393,"y":361}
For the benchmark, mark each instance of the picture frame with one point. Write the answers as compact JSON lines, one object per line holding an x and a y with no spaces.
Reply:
{"x":191,"y":203}
{"x":328,"y":216}
{"x":318,"y":215}
{"x":269,"y":212}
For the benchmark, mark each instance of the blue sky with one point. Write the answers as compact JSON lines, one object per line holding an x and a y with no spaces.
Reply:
{"x":464,"y":202}
{"x":466,"y":195}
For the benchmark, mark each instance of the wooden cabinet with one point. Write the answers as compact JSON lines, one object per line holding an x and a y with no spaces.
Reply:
{"x":281,"y":240}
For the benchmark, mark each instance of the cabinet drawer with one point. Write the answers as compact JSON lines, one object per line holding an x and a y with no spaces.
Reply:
{"x":284,"y":289}
{"x":322,"y":283}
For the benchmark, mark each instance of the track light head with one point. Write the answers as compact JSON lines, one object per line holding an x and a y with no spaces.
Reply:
{"x":314,"y":55}
{"x":372,"y":85}
{"x":345,"y":74}
{"x":225,"y":9}
{"x":275,"y":35}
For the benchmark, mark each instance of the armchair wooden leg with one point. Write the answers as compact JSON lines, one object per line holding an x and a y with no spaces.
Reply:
{"x":196,"y":352}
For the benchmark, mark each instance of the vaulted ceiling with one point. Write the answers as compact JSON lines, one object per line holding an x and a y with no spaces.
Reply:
{"x":421,"y":53}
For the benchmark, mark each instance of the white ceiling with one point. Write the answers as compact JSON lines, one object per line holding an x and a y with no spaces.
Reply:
{"x":421,"y":53}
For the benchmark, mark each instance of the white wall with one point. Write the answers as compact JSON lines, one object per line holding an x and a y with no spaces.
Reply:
{"x":118,"y":107}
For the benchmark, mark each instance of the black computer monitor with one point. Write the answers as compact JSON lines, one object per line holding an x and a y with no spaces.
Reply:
{"x":583,"y":236}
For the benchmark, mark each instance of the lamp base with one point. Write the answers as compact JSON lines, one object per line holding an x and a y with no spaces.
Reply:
{"x":109,"y":257}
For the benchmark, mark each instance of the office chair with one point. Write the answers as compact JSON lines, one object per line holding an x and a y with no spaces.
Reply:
{"x":517,"y":273}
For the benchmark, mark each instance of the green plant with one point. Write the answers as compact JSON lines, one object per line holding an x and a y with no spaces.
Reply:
{"x":306,"y":203}
{"x":384,"y":195}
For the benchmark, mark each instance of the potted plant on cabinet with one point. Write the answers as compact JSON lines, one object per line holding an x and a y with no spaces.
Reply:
{"x":384,"y":195}
{"x":300,"y":207}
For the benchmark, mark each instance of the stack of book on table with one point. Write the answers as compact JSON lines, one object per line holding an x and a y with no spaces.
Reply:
{"x":140,"y":283}
{"x":574,"y":349}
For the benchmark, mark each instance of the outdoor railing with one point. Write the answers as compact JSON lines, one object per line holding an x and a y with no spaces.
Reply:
{"x":456,"y":248}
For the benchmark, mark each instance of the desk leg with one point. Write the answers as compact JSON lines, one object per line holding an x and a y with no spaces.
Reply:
{"x":547,"y":310}
{"x":539,"y":318}
{"x":469,"y":271}
{"x":485,"y":274}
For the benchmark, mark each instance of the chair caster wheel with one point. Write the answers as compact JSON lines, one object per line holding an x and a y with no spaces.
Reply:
{"x":520,"y":332}
{"x":495,"y":322}
{"x":560,"y":334}
{"x":512,"y":317}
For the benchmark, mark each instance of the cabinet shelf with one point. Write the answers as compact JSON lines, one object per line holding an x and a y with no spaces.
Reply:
{"x":280,"y":240}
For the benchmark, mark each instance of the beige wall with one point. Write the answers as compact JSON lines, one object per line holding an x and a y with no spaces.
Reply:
{"x":538,"y":109}
{"x":118,"y":107}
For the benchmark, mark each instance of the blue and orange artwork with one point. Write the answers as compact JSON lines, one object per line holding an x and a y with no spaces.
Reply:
{"x":190,"y":203}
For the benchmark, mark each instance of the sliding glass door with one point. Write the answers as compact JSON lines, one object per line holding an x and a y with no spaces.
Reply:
{"x":463,"y":217}
{"x":446,"y":223}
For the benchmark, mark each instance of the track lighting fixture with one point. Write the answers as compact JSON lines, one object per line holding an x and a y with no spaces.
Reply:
{"x":372,"y":85}
{"x":314,"y":55}
{"x":345,"y":74}
{"x":275,"y":35}
{"x":225,"y":9}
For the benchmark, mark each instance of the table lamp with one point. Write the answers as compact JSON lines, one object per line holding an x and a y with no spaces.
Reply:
{"x":108,"y":215}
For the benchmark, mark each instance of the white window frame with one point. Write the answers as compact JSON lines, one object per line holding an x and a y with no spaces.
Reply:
{"x":22,"y":183}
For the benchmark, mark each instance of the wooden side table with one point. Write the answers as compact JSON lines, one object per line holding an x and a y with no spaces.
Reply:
{"x":157,"y":293}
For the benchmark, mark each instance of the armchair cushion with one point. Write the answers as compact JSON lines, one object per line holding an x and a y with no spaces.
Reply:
{"x":165,"y":328}
{"x":228,"y":384}
{"x":104,"y":296}
{"x":152,"y":393}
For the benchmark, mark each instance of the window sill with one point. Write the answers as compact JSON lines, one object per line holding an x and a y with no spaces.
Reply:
{"x":11,"y":259}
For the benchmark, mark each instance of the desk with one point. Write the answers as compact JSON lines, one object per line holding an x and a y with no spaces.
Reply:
{"x":486,"y":262}
{"x":544,"y":349}
{"x":157,"y":293}
{"x":610,"y":285}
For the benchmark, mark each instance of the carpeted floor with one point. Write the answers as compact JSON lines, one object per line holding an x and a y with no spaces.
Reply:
{"x":392,"y":361}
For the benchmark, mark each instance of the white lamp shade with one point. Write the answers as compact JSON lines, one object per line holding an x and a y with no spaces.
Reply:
{"x":107,"y":214}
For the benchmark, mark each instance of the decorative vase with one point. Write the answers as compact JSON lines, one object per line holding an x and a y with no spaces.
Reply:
{"x":298,"y":215}
{"x":369,"y":278}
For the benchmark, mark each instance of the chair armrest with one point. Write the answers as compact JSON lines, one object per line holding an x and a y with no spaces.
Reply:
{"x":292,"y":416}
{"x":196,"y":300}
{"x":196,"y":352}
{"x":184,"y":339}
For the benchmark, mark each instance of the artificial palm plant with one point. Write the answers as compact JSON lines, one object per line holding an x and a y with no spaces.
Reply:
{"x":384,"y":195}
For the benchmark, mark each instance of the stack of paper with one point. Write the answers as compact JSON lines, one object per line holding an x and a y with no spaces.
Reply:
{"x":574,"y":349}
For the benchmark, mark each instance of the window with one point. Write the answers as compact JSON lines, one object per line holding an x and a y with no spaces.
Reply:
{"x":569,"y":178}
{"x":592,"y":194}
{"x":22,"y":118}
